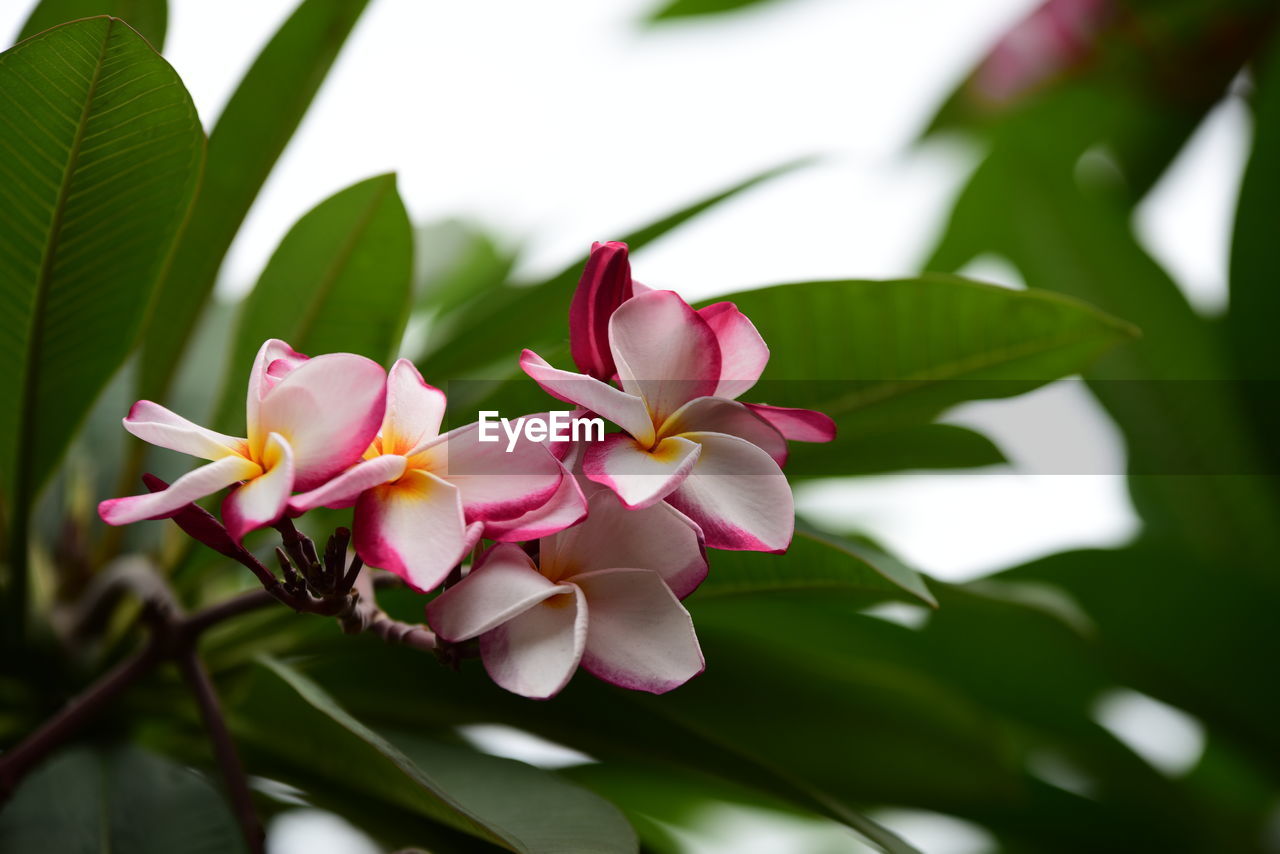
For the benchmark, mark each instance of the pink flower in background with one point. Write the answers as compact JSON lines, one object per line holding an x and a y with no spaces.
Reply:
{"x":422,"y":499}
{"x":687,"y":440}
{"x":1056,"y":37}
{"x":307,"y":420}
{"x":604,"y":594}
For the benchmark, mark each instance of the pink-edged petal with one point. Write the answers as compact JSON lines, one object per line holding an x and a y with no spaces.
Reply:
{"x":274,"y":360}
{"x":414,"y":528}
{"x":535,"y":653}
{"x":717,"y":415}
{"x":152,"y":423}
{"x":568,"y":506}
{"x":664,"y":351}
{"x":743,"y":353}
{"x":344,"y":489}
{"x":626,"y":410}
{"x":605,"y":285}
{"x":262,"y":500}
{"x":494,"y":484}
{"x":639,"y":637}
{"x":328,"y":409}
{"x":738,"y":496}
{"x":657,"y":538}
{"x":798,"y":425}
{"x":414,"y":409}
{"x":193,"y":485}
{"x":503,"y":586}
{"x":639,"y":476}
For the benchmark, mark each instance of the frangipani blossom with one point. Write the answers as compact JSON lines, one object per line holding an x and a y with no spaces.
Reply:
{"x":604,"y":594}
{"x":422,"y":499}
{"x":686,"y":440}
{"x":307,"y":420}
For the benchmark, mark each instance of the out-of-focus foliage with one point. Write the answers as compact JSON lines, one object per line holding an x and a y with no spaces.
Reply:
{"x":981,"y":704}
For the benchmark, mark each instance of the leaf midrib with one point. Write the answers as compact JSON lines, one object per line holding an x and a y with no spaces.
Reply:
{"x":340,"y":261}
{"x":35,"y":337}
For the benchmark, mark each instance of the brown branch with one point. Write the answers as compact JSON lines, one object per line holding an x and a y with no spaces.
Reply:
{"x":224,"y":749}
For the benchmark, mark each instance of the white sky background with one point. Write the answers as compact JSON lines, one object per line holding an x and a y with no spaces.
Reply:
{"x":561,"y":122}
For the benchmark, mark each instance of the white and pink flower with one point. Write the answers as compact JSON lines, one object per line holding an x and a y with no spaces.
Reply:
{"x":422,"y":499}
{"x":604,"y":594}
{"x":307,"y":420}
{"x":686,"y":439}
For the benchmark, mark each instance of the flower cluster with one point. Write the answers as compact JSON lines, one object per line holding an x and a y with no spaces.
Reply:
{"x":592,"y":545}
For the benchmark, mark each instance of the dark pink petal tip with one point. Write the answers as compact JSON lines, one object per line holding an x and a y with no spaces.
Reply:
{"x":605,"y":285}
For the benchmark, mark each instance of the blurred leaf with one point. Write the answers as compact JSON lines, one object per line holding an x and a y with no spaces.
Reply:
{"x":150,"y":18}
{"x":816,"y":561}
{"x":102,"y":150}
{"x":253,"y":129}
{"x":878,"y":355}
{"x":506,"y":803}
{"x":121,"y":800}
{"x":498,"y":324}
{"x":457,"y":262}
{"x":922,"y":447}
{"x":1197,"y":638}
{"x":1255,"y":299}
{"x":1171,"y":393}
{"x":339,"y":281}
{"x":696,"y":8}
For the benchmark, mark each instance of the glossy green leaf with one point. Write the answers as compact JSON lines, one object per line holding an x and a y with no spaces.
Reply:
{"x":920,"y":448}
{"x":816,"y":561}
{"x":249,"y":136}
{"x":100,"y":151}
{"x":877,"y":355}
{"x":150,"y":18}
{"x":340,"y":281}
{"x":697,"y":8}
{"x":498,"y":324}
{"x":120,"y":800}
{"x":506,"y":803}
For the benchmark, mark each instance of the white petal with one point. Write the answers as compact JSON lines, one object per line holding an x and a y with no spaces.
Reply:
{"x":640,"y":477}
{"x":738,"y":496}
{"x":658,"y":538}
{"x":537,"y":652}
{"x":640,"y":637}
{"x":504,"y":585}
{"x":152,"y":423}
{"x":193,"y":485}
{"x":414,"y":528}
{"x":626,"y":410}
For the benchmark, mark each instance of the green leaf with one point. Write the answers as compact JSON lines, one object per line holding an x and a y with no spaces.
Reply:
{"x":1255,"y":299}
{"x":101,"y":150}
{"x":149,"y":17}
{"x":249,"y":136}
{"x":878,"y":355}
{"x":339,"y":281}
{"x":1171,"y":393}
{"x":457,"y":262}
{"x":816,"y":561}
{"x":697,"y":8}
{"x":498,"y":324}
{"x":506,"y":803}
{"x":922,"y":448}
{"x":121,"y":800}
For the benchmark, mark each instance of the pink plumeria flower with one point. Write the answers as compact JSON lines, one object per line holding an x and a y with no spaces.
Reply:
{"x":307,"y":419}
{"x":687,"y":440}
{"x":567,"y":507}
{"x":604,"y":594}
{"x":422,"y":499}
